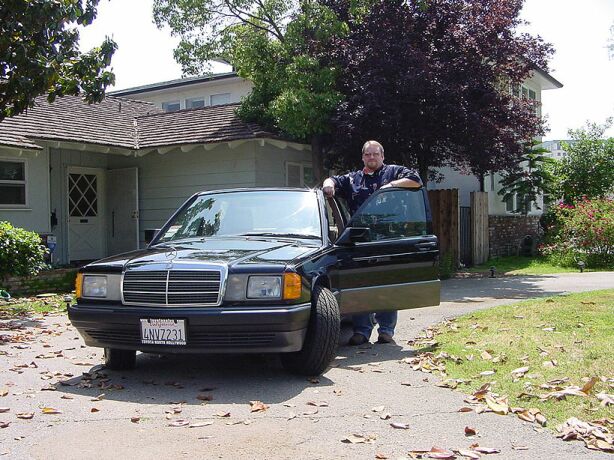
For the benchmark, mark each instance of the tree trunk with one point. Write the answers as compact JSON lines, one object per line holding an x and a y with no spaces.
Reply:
{"x":317,"y":160}
{"x":423,"y":171}
{"x":481,"y":178}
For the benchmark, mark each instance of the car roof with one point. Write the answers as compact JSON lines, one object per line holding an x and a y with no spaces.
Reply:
{"x":259,"y":189}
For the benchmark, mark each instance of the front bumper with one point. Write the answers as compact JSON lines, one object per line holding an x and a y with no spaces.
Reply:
{"x":209,"y":330}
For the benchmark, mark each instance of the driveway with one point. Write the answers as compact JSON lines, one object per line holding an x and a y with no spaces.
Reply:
{"x":127,"y":414}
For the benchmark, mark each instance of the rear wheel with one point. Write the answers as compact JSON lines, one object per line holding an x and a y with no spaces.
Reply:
{"x":119,"y":360}
{"x":322,"y":336}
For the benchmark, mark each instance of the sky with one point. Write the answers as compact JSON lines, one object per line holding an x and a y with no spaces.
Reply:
{"x":579,"y":32}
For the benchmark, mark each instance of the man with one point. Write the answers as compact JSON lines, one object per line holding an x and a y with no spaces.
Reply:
{"x":356,"y":187}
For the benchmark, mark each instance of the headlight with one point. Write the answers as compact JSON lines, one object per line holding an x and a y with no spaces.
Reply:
{"x":94,"y":286}
{"x":264,"y":287}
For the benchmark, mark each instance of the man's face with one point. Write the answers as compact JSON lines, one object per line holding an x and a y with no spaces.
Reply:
{"x":372,"y":157}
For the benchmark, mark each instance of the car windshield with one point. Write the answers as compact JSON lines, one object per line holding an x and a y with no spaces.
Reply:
{"x":294,"y":214}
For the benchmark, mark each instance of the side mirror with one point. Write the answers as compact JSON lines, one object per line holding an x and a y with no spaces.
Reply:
{"x":353,"y":235}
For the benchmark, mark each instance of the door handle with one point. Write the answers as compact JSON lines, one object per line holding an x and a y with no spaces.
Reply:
{"x":426,"y":246}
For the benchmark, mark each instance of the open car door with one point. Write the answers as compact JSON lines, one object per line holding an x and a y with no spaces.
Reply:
{"x":387,"y":256}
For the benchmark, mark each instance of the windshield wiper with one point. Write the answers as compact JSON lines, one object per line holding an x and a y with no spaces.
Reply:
{"x":172,"y":243}
{"x":282,"y":235}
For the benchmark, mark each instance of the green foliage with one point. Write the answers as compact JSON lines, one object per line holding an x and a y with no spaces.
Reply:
{"x":588,"y":169}
{"x":581,"y":232}
{"x":446,"y":266}
{"x":39,"y":53}
{"x":21,"y":252}
{"x":531,"y":178}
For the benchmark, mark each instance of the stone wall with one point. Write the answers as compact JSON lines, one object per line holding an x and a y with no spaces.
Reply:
{"x":506,"y":234}
{"x":57,"y":281}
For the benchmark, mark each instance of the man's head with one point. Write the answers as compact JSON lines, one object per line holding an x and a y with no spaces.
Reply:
{"x":372,"y":155}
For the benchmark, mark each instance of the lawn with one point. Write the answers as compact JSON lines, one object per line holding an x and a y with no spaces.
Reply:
{"x":47,"y":303}
{"x":521,"y":265}
{"x":564,"y":341}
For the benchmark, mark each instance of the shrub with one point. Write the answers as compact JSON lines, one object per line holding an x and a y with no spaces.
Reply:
{"x":581,"y":232}
{"x":21,"y":252}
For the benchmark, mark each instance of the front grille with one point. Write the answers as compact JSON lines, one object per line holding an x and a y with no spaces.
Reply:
{"x":172,"y":287}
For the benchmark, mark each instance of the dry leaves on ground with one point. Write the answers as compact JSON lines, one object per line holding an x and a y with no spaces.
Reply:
{"x":257,"y":406}
{"x":596,"y":436}
{"x":360,"y":439}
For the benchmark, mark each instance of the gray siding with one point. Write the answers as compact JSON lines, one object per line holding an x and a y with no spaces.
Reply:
{"x":35,"y":216}
{"x":271,"y":164}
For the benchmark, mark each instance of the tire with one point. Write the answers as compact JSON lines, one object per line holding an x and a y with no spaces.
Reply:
{"x":119,"y":360}
{"x":322,"y":336}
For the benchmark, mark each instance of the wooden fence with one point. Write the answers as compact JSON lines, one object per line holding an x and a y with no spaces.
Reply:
{"x":446,"y":215}
{"x":479,"y":227}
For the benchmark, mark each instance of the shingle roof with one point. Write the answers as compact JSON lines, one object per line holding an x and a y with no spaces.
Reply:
{"x":197,"y":126}
{"x":124,"y":123}
{"x":69,"y":118}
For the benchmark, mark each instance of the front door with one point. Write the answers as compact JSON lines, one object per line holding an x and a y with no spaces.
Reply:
{"x":122,"y":210}
{"x":86,"y":238}
{"x":396,"y":266}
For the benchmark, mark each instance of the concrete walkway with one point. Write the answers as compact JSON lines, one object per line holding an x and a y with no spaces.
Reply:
{"x":292,"y":427}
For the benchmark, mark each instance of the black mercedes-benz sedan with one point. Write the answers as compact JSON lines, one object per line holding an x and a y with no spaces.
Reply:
{"x":260,"y":270}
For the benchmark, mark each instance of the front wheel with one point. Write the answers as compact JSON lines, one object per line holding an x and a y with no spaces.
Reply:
{"x":322,"y":336}
{"x":119,"y":360}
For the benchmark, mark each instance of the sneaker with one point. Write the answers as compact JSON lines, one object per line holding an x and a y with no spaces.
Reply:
{"x":357,"y":339}
{"x":385,"y":338}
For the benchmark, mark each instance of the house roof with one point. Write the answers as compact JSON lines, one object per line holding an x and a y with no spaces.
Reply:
{"x":69,"y":118}
{"x":124,"y":123}
{"x":196,"y":126}
{"x":173,"y":83}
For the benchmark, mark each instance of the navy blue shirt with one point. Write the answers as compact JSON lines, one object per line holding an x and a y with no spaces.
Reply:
{"x":357,"y":186}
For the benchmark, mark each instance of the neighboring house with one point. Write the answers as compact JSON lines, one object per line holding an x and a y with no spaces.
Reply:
{"x":97,"y":176}
{"x":555,"y":148}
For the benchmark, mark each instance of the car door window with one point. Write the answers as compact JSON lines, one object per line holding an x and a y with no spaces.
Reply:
{"x":393,"y":214}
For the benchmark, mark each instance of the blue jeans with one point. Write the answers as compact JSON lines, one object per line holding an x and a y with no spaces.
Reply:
{"x":387,"y":320}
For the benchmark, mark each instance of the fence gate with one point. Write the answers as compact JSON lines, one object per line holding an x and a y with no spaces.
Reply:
{"x":445,"y":211}
{"x":479,"y":227}
{"x":465,"y":236}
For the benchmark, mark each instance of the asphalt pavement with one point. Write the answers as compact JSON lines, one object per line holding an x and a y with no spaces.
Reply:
{"x":132,"y":414}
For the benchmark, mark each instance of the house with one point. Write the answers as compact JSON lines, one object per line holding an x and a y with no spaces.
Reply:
{"x":555,"y":148}
{"x":97,"y":177}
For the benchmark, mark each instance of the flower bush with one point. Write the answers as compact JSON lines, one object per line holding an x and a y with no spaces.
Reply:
{"x":583,"y":232}
{"x":21,"y":252}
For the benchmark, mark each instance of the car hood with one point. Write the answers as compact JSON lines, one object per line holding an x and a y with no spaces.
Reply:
{"x":236,"y":253}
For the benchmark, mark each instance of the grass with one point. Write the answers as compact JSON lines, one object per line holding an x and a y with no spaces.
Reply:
{"x":521,"y":265}
{"x":25,"y":305}
{"x":581,"y":345}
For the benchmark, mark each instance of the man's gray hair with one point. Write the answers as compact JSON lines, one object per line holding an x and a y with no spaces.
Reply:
{"x":368,"y":143}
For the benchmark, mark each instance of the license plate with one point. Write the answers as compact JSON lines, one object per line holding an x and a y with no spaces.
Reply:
{"x":155,"y":331}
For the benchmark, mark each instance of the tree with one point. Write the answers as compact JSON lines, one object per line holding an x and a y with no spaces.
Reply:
{"x":433,"y":82}
{"x":39,"y":53}
{"x":588,"y":168}
{"x":272,"y":43}
{"x":531,"y":178}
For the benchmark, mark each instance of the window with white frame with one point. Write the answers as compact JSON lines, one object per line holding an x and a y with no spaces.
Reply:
{"x":217,"y":99}
{"x":171,"y":106}
{"x":13,"y":182}
{"x":509,"y":203}
{"x":195,"y":103}
{"x":299,"y":175}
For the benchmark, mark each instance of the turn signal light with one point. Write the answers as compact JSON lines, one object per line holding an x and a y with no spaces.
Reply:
{"x":78,"y":285}
{"x":292,"y":286}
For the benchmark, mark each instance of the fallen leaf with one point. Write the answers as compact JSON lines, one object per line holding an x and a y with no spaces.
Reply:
{"x":200,"y":424}
{"x":400,"y":426}
{"x":360,"y":439}
{"x":313,"y":380}
{"x":51,"y":411}
{"x":486,"y":356}
{"x":379,"y":456}
{"x":317,"y":403}
{"x":4,"y":424}
{"x":4,"y":409}
{"x":539,"y":418}
{"x":486,"y":450}
{"x":135,"y":419}
{"x":377,"y":408}
{"x":179,"y":423}
{"x":25,"y":415}
{"x":222,"y":414}
{"x":407,"y":384}
{"x":486,"y":373}
{"x":526,"y":416}
{"x":100,"y":397}
{"x":469,"y":453}
{"x":438,"y":452}
{"x":338,"y":392}
{"x":311,"y":412}
{"x":519,"y":447}
{"x":257,"y":406}
{"x":589,"y":385}
{"x":469,"y":431}
{"x":520,"y":371}
{"x":465,"y":409}
{"x":606,"y":399}
{"x":4,"y":391}
{"x":497,"y":406}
